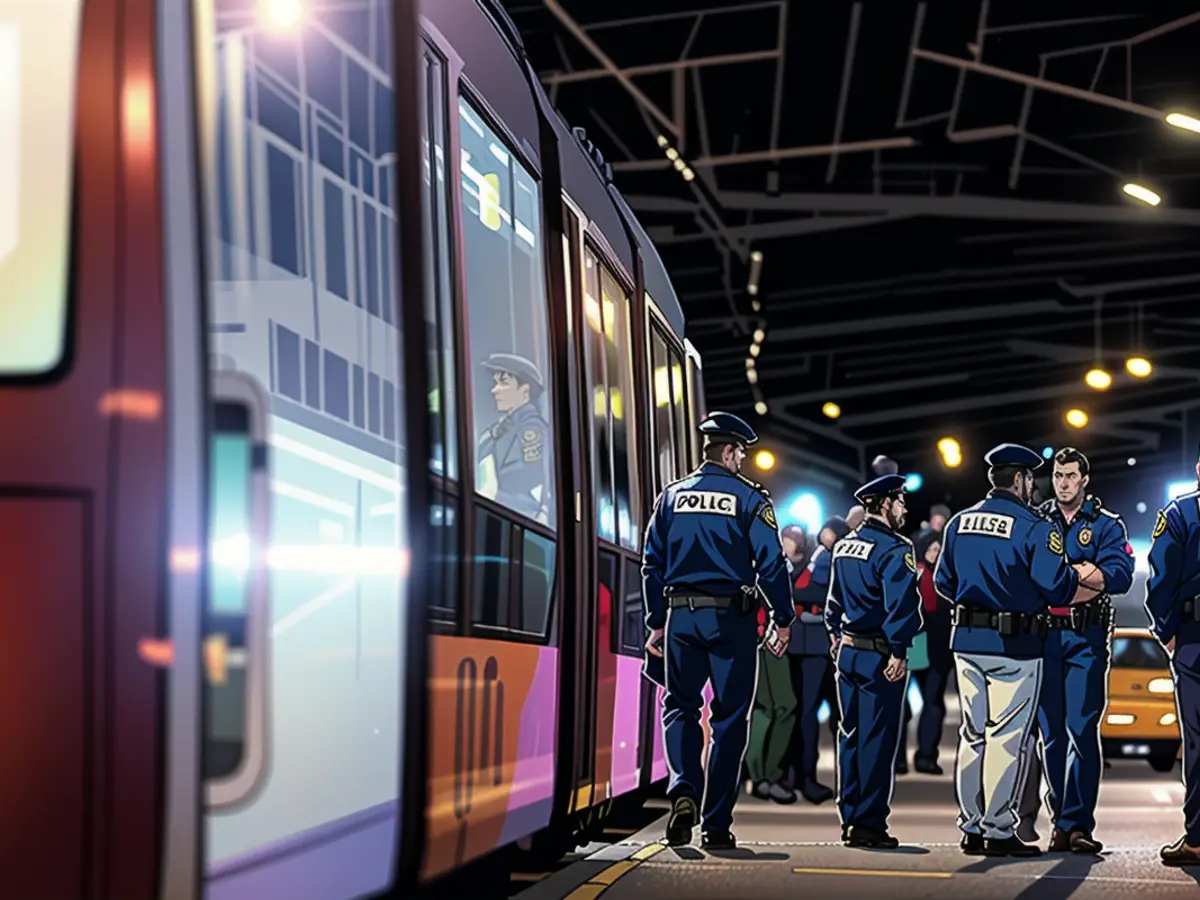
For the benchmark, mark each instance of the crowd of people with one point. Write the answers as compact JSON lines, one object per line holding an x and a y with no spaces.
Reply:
{"x":784,"y":744}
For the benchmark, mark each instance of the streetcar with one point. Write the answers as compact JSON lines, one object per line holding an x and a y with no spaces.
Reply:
{"x":338,"y":382}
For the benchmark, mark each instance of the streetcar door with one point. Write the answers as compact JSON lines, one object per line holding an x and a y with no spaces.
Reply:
{"x":313,"y":630}
{"x":86,"y":620}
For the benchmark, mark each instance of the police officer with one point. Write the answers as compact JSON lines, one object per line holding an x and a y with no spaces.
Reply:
{"x":1075,"y":665}
{"x":1173,"y":605}
{"x":712,"y":544}
{"x":872,"y":614}
{"x":811,"y":665}
{"x":519,"y":442}
{"x":1001,"y":566}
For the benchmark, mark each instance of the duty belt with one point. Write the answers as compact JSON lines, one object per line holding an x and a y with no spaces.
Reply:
{"x":701,"y":601}
{"x":1191,"y":607}
{"x":1006,"y":624}
{"x":879,"y":645}
{"x":1081,"y":617}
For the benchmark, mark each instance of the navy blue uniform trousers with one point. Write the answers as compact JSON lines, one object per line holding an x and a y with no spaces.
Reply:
{"x":1186,"y":668}
{"x":720,"y":645}
{"x":871,"y":710}
{"x":1074,"y":688}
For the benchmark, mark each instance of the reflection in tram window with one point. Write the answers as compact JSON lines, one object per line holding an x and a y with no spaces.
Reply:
{"x":507,"y":323}
{"x":537,"y":584}
{"x":622,"y":408}
{"x":301,"y":137}
{"x":597,"y":362}
{"x":493,"y":549}
{"x":39,"y":47}
{"x":663,"y":454}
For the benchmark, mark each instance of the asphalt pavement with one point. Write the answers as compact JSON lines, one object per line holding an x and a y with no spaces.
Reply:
{"x":785,"y":851}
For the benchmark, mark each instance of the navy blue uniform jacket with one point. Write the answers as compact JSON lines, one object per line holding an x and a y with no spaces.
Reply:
{"x":1175,"y":569}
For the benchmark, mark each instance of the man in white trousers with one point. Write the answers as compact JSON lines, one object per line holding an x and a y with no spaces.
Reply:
{"x":1002,"y":566}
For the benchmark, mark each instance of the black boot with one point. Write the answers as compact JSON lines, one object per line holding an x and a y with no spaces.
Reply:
{"x":681,"y":822}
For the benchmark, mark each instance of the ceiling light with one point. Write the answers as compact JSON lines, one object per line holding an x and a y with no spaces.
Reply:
{"x":1098,"y":379}
{"x":680,"y":165}
{"x":672,"y":154}
{"x":759,"y":335}
{"x":764,"y":459}
{"x":1131,"y":461}
{"x":662,"y":141}
{"x":1076,"y":418}
{"x":952,"y":460}
{"x":752,"y":376}
{"x":1047,"y":452}
{"x":1138,"y":192}
{"x":756,"y":256}
{"x":688,"y":174}
{"x":831,"y":410}
{"x":1138,"y":366}
{"x":1186,"y":122}
{"x":755,"y":349}
{"x":761,"y":408}
{"x":948,"y":446}
{"x":750,"y":363}
{"x":755,"y":305}
{"x":752,"y":290}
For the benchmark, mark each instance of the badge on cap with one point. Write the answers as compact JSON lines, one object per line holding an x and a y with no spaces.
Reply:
{"x":910,"y":561}
{"x":1160,"y":525}
{"x":1055,"y":543}
{"x":768,"y":515}
{"x":1085,"y":537}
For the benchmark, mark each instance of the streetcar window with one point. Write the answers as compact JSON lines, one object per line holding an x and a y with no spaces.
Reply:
{"x":439,"y":314}
{"x":681,"y":425}
{"x":537,"y":584}
{"x":633,"y":629}
{"x":597,"y":363}
{"x":493,"y":549}
{"x":507,"y":323}
{"x":38,"y":49}
{"x":663,"y":454}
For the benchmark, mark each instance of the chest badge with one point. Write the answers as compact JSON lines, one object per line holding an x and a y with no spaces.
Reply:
{"x":1085,"y":537}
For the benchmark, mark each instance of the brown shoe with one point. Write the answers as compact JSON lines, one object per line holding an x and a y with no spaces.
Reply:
{"x":1082,"y":842}
{"x":1180,"y":853}
{"x":1060,"y":842}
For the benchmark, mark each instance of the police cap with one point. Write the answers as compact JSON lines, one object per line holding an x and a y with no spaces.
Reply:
{"x":879,"y":487}
{"x":1012,"y":455}
{"x":727,"y":425}
{"x":519,"y":366}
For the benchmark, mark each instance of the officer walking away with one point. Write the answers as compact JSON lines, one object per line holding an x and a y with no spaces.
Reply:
{"x":1173,"y":605}
{"x":711,"y":546}
{"x":872,"y":615}
{"x":519,"y":443}
{"x":1001,"y":566}
{"x":1075,"y":664}
{"x":810,"y":662}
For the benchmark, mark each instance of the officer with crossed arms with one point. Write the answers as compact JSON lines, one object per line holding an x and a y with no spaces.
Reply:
{"x":712,"y":544}
{"x":1002,"y":565}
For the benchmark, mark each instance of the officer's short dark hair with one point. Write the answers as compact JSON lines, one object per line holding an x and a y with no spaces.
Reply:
{"x":940,"y":509}
{"x":875,"y":504}
{"x":1004,"y":476}
{"x":1068,"y":455}
{"x":715,"y":446}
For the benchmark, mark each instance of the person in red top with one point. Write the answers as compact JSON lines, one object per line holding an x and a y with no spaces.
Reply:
{"x":932,"y":680}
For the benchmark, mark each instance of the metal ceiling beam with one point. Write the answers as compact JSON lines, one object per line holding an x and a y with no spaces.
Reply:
{"x":854,"y":325}
{"x":870,"y":390}
{"x":612,"y":68}
{"x":977,"y":401}
{"x":761,"y":156}
{"x":1121,"y":287}
{"x":1052,"y":87}
{"x":963,"y":206}
{"x":679,"y":65}
{"x":768,"y":230}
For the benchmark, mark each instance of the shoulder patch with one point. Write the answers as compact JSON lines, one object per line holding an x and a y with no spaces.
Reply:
{"x":1160,"y":525}
{"x":1055,"y":543}
{"x":910,"y":561}
{"x":767,"y":514}
{"x":530,"y":436}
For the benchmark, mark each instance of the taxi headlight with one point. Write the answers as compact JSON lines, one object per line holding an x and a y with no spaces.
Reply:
{"x":1121,"y":719}
{"x":1167,"y":719}
{"x":1161,"y":686}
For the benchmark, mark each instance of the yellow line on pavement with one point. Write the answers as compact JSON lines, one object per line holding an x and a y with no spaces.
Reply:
{"x":890,"y":873}
{"x":602,"y":881}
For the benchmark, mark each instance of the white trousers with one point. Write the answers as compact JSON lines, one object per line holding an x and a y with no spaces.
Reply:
{"x":999,"y":698}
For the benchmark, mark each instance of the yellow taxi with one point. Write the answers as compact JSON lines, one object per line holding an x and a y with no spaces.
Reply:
{"x":1140,"y":721}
